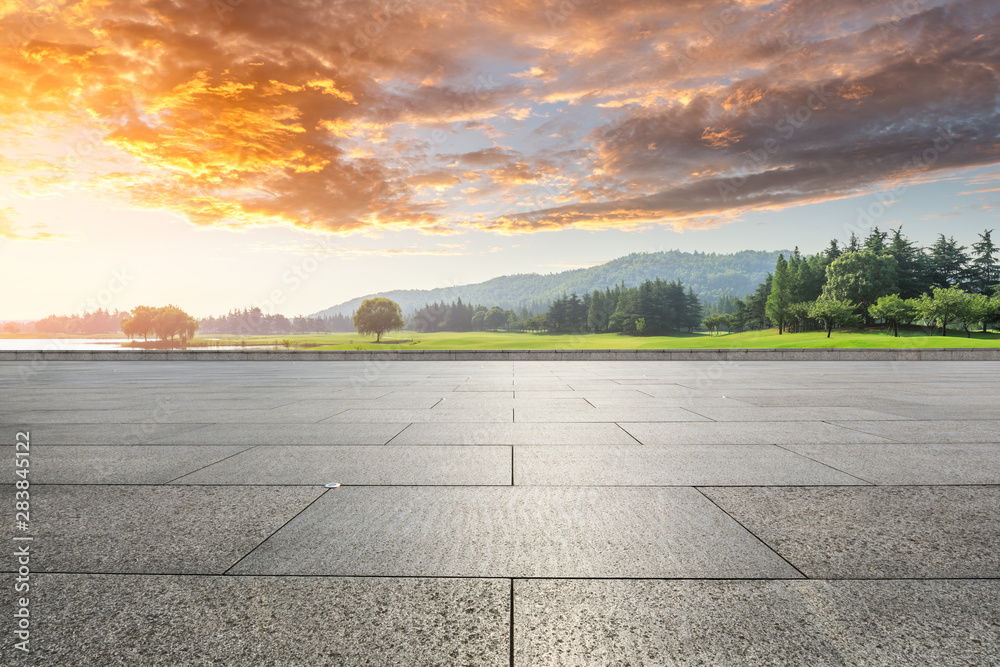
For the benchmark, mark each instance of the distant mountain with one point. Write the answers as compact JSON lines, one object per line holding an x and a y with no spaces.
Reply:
{"x":710,"y":275}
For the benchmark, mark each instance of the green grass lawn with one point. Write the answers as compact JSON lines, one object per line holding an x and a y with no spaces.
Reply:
{"x":408,"y":340}
{"x":912,"y":337}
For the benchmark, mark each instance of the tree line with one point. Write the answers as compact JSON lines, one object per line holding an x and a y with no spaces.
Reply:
{"x":98,"y":322}
{"x":254,"y":321}
{"x":654,"y":307}
{"x":885,"y":278}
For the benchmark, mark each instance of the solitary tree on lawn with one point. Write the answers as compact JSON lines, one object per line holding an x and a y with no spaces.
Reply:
{"x":378,"y":315}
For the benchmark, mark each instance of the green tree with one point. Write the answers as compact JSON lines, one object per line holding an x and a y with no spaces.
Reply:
{"x":833,"y":311}
{"x":716,"y":322}
{"x":911,"y":265}
{"x":832,"y":251}
{"x":378,"y":315}
{"x":861,"y":278}
{"x":948,"y":263}
{"x":875,"y":241}
{"x":479,"y":320}
{"x":892,"y":310}
{"x":797,"y":316}
{"x":984,"y":267}
{"x":140,"y":323}
{"x":640,"y":325}
{"x":976,"y":309}
{"x":942,"y":307}
{"x":780,"y":297}
{"x":495,"y":318}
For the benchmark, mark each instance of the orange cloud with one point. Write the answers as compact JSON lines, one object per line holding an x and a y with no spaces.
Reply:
{"x":352,"y":118}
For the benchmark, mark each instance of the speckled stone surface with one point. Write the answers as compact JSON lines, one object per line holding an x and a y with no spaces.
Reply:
{"x":745,"y":433}
{"x":933,"y":431}
{"x":117,"y":464}
{"x":975,"y":463}
{"x":285,"y":434}
{"x":753,"y":623}
{"x":874,"y":532}
{"x":203,"y":535}
{"x":197,"y":620}
{"x":513,"y":434}
{"x":161,"y":529}
{"x":360,"y":465}
{"x":515,"y":532}
{"x":670,"y":465}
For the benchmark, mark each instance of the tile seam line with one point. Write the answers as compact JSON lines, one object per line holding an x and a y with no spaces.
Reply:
{"x":387,"y":442}
{"x":624,"y":430}
{"x":827,"y":465}
{"x":275,"y":532}
{"x":756,"y":537}
{"x":833,"y":423}
{"x":511,"y":635}
{"x":209,"y":465}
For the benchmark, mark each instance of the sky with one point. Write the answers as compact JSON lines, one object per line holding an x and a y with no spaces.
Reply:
{"x":293,"y":154}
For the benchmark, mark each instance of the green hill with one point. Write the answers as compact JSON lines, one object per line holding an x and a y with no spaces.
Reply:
{"x":710,"y":275}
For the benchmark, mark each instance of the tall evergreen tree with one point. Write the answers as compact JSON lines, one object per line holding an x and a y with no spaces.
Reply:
{"x":948,"y":262}
{"x":876,"y":241}
{"x":780,"y":297}
{"x":984,"y":270}
{"x":911,"y":265}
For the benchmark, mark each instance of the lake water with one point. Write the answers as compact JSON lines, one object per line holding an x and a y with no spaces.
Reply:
{"x":46,"y":344}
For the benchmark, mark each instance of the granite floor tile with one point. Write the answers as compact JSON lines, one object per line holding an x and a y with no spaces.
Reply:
{"x":156,"y":529}
{"x":513,"y":434}
{"x":745,"y":433}
{"x":874,"y":531}
{"x":753,"y":623}
{"x":931,"y":431}
{"x":90,"y":619}
{"x":514,"y":532}
{"x":355,"y":465}
{"x":286,"y":434}
{"x":117,"y":464}
{"x":976,"y":463}
{"x":670,"y":465}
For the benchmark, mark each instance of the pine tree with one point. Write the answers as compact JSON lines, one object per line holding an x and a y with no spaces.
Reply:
{"x":984,"y":270}
{"x":948,"y":263}
{"x":911,"y":265}
{"x":778,"y":301}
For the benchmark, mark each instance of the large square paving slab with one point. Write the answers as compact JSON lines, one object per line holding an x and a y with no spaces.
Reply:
{"x":745,"y":433}
{"x":976,"y":463}
{"x":614,"y":414}
{"x":89,"y":619}
{"x":815,"y":623}
{"x":285,"y":434}
{"x":513,"y":434}
{"x":936,"y":431}
{"x":117,"y":464}
{"x":665,"y":465}
{"x":514,"y":532}
{"x":108,"y":433}
{"x":874,"y":532}
{"x":360,"y":465}
{"x":156,"y":529}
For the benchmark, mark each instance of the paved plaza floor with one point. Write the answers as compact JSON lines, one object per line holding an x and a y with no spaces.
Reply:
{"x":498,"y":513}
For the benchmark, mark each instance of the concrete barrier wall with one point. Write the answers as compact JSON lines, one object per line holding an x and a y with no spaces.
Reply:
{"x":826,"y":354}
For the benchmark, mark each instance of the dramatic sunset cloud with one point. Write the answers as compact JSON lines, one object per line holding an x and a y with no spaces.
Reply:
{"x":505,"y":116}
